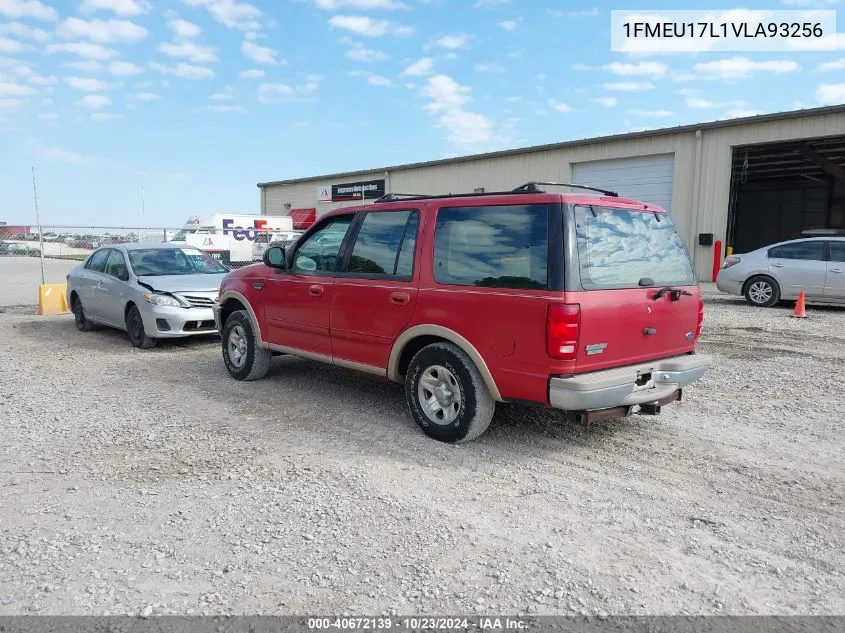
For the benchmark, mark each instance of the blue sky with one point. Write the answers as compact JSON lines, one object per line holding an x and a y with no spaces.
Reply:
{"x":198,"y":100}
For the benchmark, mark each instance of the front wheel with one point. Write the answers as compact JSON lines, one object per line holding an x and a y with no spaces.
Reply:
{"x":762,"y":292}
{"x":243,"y":356}
{"x":446,"y":394}
{"x":135,"y":328}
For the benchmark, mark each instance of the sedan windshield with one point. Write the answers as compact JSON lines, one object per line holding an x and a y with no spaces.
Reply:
{"x":152,"y":262}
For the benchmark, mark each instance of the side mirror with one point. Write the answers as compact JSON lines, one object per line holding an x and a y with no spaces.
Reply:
{"x":275,"y":257}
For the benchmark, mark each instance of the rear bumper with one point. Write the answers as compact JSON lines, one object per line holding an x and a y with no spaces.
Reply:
{"x":728,"y":285}
{"x":646,"y":383}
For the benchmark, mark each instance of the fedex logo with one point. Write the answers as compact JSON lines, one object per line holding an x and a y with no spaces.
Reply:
{"x":240,"y":233}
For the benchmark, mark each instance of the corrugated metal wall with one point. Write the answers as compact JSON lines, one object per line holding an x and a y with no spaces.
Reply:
{"x":700,"y":191}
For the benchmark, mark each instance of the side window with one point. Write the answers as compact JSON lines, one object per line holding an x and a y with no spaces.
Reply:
{"x":116,"y":265}
{"x":384,"y":237}
{"x":319,"y":253}
{"x":837,"y":251}
{"x":799,"y":250}
{"x":97,"y":261}
{"x":494,"y":247}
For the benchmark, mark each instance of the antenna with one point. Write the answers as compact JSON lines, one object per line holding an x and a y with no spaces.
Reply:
{"x":38,"y":222}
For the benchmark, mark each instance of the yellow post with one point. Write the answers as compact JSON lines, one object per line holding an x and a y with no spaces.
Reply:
{"x":729,"y":250}
{"x":52,"y":299}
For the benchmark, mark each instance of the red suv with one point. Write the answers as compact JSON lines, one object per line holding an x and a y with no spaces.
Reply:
{"x":582,"y":302}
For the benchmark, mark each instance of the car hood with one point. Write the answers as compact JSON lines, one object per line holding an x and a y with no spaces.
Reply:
{"x":183,"y":283}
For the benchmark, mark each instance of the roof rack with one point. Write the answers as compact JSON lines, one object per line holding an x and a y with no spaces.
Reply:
{"x":531,"y":187}
{"x":393,"y":197}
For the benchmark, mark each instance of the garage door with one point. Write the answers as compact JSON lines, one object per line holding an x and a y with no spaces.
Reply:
{"x":645,"y":178}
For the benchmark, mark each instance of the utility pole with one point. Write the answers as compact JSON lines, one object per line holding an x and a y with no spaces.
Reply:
{"x":38,"y":222}
{"x":142,"y":214}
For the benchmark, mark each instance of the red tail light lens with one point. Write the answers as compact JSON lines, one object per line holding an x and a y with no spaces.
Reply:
{"x":732,"y":260}
{"x":563,"y":323}
{"x":700,"y":318}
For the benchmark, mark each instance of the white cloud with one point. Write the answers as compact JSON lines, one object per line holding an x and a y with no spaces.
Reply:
{"x":284,"y":93}
{"x":63,"y":155}
{"x":510,"y":25}
{"x":226,"y":108}
{"x":698,"y":102}
{"x":11,"y":104}
{"x":10,"y":46}
{"x":233,"y":15}
{"x":453,"y":42}
{"x":420,"y":67}
{"x":126,"y":8}
{"x":368,"y":27}
{"x":87,"y":84}
{"x":466,"y":128}
{"x":189,"y":50}
{"x":740,"y":113}
{"x":222,"y":96}
{"x":488,"y":68}
{"x":607,"y":102}
{"x":124,"y":68}
{"x":83,"y":49}
{"x":40,"y":80}
{"x":16,"y":9}
{"x":444,"y":93}
{"x":490,"y":3}
{"x":94,"y":102}
{"x":650,"y":113}
{"x":363,"y":54}
{"x":184,"y":29}
{"x":650,"y":69}
{"x":185,"y":71}
{"x":740,"y":67}
{"x":837,"y":64}
{"x":102,"y":31}
{"x":629,"y":86}
{"x":378,"y":80}
{"x":11,"y":89}
{"x":48,"y":116}
{"x":146,"y":97}
{"x":88,"y":66}
{"x":105,"y":116}
{"x":560,"y":106}
{"x":251,"y":74}
{"x":259,"y":54}
{"x":831,"y":94}
{"x":24,"y":31}
{"x":361,"y":5}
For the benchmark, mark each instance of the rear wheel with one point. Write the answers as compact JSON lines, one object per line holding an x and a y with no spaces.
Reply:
{"x":446,"y":394}
{"x":82,"y":322}
{"x":762,"y":291}
{"x":135,"y":328}
{"x":243,"y":356}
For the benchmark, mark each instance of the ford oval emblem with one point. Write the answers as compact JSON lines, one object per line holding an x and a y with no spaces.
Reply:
{"x":689,"y":336}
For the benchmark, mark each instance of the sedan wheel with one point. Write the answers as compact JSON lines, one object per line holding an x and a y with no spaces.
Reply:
{"x":762,"y":292}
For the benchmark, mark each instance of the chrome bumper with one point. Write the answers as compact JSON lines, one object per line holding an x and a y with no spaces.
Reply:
{"x":645,"y":383}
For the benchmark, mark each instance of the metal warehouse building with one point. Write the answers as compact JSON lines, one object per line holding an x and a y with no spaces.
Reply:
{"x":739,"y":184}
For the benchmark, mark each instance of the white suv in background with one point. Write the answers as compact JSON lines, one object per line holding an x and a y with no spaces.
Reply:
{"x":263,"y":241}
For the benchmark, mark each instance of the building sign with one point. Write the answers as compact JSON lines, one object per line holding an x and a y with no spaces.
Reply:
{"x":351,"y":191}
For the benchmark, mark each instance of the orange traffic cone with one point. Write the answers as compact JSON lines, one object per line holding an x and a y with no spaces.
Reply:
{"x":800,"y":311}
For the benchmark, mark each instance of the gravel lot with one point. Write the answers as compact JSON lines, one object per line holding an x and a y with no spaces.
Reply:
{"x":150,"y":482}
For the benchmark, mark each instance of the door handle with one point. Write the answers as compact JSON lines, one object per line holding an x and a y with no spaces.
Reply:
{"x":836,"y":270}
{"x":400,"y":298}
{"x":315,"y":291}
{"x":777,"y":265}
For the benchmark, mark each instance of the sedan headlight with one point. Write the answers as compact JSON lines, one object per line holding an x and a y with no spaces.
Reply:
{"x":162,"y":300}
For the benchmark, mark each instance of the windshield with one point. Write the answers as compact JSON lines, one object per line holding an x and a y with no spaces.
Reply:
{"x":617,"y":248}
{"x":151,"y":262}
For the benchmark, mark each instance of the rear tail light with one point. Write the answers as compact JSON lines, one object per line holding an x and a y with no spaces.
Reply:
{"x":563,"y":323}
{"x":730,"y":261}
{"x":700,"y":318}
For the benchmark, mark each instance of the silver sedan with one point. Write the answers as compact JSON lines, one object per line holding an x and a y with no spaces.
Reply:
{"x":781,"y":271}
{"x":151,"y":291}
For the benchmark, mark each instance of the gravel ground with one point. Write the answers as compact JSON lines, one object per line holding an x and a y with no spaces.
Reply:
{"x":152,"y":483}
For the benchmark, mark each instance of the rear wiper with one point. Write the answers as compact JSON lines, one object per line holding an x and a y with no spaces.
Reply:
{"x":675,"y":293}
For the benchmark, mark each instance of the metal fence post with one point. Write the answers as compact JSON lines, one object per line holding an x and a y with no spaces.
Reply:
{"x":40,"y":231}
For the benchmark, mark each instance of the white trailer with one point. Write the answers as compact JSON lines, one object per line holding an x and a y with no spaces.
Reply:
{"x":238,"y":233}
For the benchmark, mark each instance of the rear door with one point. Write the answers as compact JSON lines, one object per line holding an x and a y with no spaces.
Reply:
{"x":622,"y":268}
{"x":375,"y":295}
{"x":114,"y":290}
{"x":834,"y":287}
{"x":90,"y":283}
{"x":800,"y":266}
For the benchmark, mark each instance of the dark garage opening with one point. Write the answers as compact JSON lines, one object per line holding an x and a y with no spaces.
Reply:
{"x":780,"y":190}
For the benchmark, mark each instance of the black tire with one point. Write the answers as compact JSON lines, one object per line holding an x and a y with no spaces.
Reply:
{"x":244,"y":358}
{"x":135,"y":328}
{"x":762,"y":291}
{"x":473,"y":412}
{"x":82,"y":322}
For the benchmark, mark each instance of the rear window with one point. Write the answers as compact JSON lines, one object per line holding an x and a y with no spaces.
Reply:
{"x":617,"y":248}
{"x":492,"y":247}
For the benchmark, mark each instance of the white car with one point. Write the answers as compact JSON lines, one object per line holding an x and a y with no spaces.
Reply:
{"x":263,"y":241}
{"x":779,"y":272}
